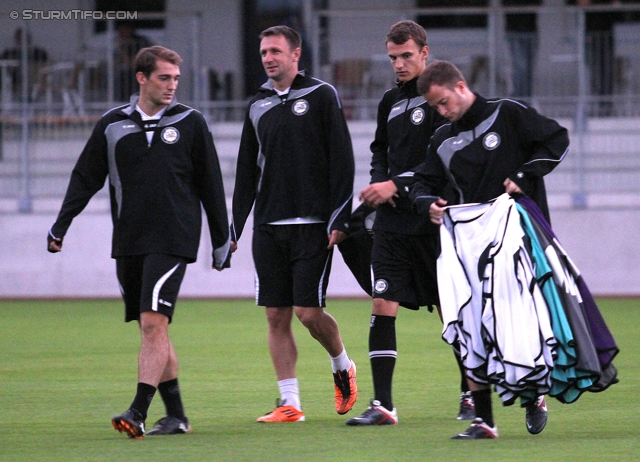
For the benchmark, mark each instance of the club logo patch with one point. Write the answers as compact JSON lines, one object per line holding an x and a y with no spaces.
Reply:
{"x":300,"y":107}
{"x":491,"y":141}
{"x":170,"y":135}
{"x":417,"y":116}
{"x":380,"y":286}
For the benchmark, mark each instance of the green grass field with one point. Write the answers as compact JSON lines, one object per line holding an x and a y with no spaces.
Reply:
{"x":66,"y":367}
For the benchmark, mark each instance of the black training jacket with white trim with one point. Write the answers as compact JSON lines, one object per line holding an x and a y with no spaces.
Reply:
{"x":157,"y":190}
{"x":295,"y":158}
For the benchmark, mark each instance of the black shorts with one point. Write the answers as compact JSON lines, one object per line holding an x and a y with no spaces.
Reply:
{"x":292,"y":265}
{"x":150,"y":283}
{"x":404,"y":268}
{"x":356,"y":248}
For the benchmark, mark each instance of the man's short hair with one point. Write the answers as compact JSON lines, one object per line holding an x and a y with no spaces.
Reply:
{"x":293,"y":38}
{"x":145,"y":60}
{"x":402,"y":31}
{"x":441,"y":73}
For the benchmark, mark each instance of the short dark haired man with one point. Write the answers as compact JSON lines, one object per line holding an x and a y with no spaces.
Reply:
{"x":405,"y":244}
{"x":490,"y":146}
{"x":163,"y":169}
{"x":295,"y":163}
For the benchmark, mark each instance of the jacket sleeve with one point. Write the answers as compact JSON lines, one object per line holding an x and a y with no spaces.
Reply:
{"x":247,"y":176}
{"x":426,"y":183}
{"x":87,"y":178}
{"x":208,"y":180}
{"x":380,"y":145}
{"x":544,"y":138}
{"x":341,"y":163}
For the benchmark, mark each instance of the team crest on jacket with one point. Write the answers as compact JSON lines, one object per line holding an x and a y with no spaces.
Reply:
{"x":491,"y":141}
{"x":381,"y":286}
{"x":170,"y":135}
{"x":300,"y":107}
{"x":417,"y":116}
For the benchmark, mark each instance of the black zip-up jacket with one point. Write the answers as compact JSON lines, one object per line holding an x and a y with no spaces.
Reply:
{"x":405,"y":125}
{"x":496,"y":139}
{"x":156,"y":190}
{"x":295,"y":158}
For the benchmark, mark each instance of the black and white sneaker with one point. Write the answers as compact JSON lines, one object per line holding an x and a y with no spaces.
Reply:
{"x":536,"y":416}
{"x":130,"y":422}
{"x":479,"y":430}
{"x":467,"y":407}
{"x":170,"y":425}
{"x":376,"y":414}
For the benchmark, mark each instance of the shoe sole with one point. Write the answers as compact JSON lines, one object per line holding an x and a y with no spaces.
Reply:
{"x":301,"y":419}
{"x":343,"y":410}
{"x":261,"y":420}
{"x":150,"y":433}
{"x":356,"y":423}
{"x":125,"y":427}
{"x":460,"y":437}
{"x":359,"y":422}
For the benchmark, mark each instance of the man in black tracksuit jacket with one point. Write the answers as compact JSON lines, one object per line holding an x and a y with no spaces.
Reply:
{"x":495,"y":144}
{"x":156,"y":190}
{"x":163,"y":169}
{"x":295,"y":163}
{"x":271,"y":171}
{"x":405,"y":244}
{"x":490,"y":146}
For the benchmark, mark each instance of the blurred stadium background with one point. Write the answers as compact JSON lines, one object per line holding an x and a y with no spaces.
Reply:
{"x":63,"y":65}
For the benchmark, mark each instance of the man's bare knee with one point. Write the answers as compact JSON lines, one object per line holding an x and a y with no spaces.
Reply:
{"x":153,"y":325}
{"x":309,"y":317}
{"x":382,"y":307}
{"x":279,"y":318}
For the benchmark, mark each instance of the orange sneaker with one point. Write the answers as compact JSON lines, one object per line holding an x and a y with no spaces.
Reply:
{"x":282,"y":413}
{"x":346,"y":389}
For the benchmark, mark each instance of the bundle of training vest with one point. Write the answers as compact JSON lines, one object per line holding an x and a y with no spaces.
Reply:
{"x":518,"y":305}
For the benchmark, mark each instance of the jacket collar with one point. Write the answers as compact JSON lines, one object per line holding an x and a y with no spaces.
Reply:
{"x":268,"y":85}
{"x":133,"y":101}
{"x":475,"y":113}
{"x":410,"y":87}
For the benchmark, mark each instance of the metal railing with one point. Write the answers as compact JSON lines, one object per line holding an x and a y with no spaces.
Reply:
{"x":594,"y":90}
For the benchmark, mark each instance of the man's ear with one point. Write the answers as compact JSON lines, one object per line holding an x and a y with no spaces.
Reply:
{"x":296,"y":54}
{"x":141,"y":78}
{"x":462,"y":87}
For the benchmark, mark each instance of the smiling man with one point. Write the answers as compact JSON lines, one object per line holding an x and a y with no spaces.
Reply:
{"x":295,"y":163}
{"x":163,"y":168}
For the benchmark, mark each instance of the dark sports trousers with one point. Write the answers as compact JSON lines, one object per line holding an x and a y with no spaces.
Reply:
{"x":292,"y":265}
{"x":404,"y":268}
{"x":150,"y":283}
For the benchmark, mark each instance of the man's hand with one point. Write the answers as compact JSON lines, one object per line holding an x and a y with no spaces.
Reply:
{"x":54,"y":245}
{"x":233,"y":246}
{"x":226,"y":263}
{"x":379,"y":193}
{"x":511,"y":187}
{"x":336,"y":237}
{"x":436,"y":211}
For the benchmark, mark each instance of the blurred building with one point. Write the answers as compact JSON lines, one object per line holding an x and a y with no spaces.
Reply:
{"x":574,"y":60}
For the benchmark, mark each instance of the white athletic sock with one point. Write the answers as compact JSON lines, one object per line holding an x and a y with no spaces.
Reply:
{"x":290,"y":393}
{"x":341,"y":362}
